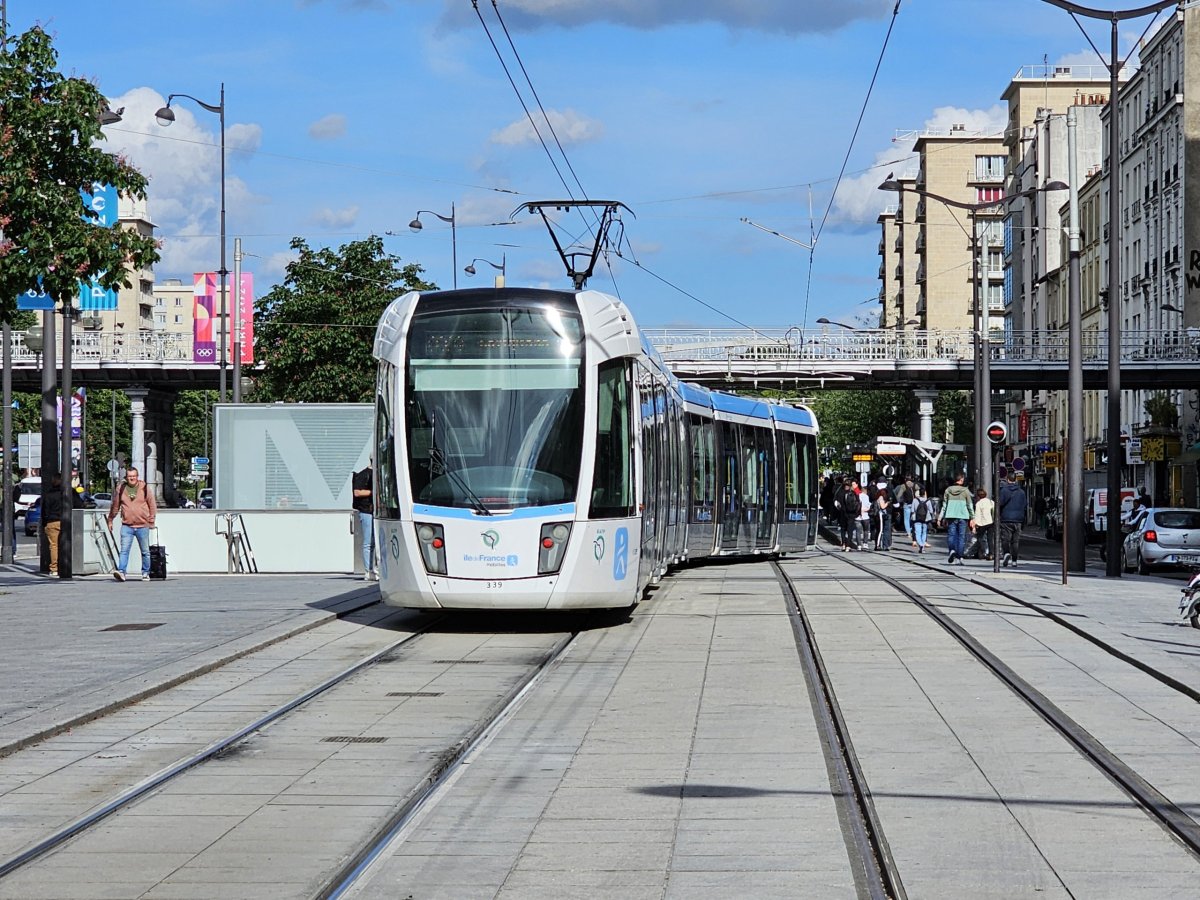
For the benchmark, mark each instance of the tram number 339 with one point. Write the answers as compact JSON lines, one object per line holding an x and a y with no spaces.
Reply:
{"x":493,"y":585}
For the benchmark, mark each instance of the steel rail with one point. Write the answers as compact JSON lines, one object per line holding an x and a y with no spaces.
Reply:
{"x":128,"y":796}
{"x":427,"y":792}
{"x":875,"y":870}
{"x":1156,"y":805}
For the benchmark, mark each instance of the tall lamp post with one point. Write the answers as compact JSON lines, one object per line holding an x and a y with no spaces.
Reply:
{"x":416,"y":225}
{"x":164,"y":117}
{"x":1112,"y":537}
{"x":983,"y":342}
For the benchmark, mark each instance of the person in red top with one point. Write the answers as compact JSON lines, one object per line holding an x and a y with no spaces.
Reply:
{"x":134,"y":503}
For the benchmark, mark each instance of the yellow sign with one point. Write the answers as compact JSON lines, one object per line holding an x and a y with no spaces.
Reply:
{"x":1051,"y":460}
{"x":863,"y":457}
{"x":1153,"y":449}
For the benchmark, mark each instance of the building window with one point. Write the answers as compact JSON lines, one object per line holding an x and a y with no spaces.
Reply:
{"x":179,"y":301}
{"x":989,"y":194}
{"x":178,"y":320}
{"x":159,"y":302}
{"x":990,"y":168}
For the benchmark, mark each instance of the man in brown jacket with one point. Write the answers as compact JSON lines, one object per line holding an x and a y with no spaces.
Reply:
{"x":134,"y":503}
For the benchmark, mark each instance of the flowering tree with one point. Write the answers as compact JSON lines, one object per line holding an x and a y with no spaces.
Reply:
{"x":48,"y":125}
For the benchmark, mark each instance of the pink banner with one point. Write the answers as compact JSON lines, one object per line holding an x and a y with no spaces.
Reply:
{"x":245,"y":313}
{"x":204,"y":344}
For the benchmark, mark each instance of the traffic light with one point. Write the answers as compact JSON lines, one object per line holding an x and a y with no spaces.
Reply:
{"x":997,"y":433}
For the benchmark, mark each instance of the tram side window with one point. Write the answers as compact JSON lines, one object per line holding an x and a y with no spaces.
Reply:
{"x":704,"y":475}
{"x":794,"y":476}
{"x":749,"y":467}
{"x":808,"y":488}
{"x":612,"y":482}
{"x":387,"y":497}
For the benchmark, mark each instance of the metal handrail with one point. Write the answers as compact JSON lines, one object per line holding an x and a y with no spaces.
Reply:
{"x":878,"y":344}
{"x":239,"y":555}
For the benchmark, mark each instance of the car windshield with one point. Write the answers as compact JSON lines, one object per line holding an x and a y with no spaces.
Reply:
{"x":1188,"y":519}
{"x":494,"y":411}
{"x":31,"y":487}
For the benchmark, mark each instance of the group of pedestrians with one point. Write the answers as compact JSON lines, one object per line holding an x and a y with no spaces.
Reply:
{"x":867,"y":518}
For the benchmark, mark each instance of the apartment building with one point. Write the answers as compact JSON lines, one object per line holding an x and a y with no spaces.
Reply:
{"x":925,"y":245}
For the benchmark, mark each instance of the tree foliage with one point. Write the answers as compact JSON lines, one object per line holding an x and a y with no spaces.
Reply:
{"x":855,"y":418}
{"x":314,"y":333}
{"x":48,"y":125}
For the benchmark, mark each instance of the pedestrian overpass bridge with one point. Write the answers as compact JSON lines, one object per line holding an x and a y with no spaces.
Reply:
{"x":890,"y":358}
{"x":762,"y":358}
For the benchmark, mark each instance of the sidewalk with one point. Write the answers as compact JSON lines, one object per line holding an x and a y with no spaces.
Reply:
{"x":72,"y":649}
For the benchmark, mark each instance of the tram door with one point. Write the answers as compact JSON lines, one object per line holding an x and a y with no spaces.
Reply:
{"x":765,"y":458}
{"x":731,"y":486}
{"x":649,"y":509}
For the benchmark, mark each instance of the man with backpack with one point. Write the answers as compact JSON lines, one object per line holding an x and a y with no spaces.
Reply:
{"x":848,"y":506}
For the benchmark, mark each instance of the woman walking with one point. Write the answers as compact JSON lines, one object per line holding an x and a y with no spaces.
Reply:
{"x":922,"y":515}
{"x":985,"y":509}
{"x":881,"y":521}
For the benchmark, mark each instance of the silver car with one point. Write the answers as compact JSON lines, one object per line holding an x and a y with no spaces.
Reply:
{"x":1167,"y":536}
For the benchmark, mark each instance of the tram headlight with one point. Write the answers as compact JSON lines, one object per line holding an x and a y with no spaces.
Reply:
{"x":552,"y":546}
{"x":431,"y":539}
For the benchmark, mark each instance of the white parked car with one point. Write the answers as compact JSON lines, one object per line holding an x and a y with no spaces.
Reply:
{"x":103,"y":500}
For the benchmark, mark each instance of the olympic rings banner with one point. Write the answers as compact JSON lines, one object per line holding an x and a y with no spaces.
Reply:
{"x":206,"y":311}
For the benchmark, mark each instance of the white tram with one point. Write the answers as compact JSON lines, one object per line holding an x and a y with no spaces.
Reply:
{"x":533,"y":452}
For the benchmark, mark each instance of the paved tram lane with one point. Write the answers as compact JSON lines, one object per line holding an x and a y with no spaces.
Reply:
{"x":977,"y":796}
{"x":675,"y":757}
{"x":76,"y":647}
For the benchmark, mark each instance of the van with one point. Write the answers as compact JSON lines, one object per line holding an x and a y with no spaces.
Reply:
{"x":31,"y":489}
{"x":1095,"y":510}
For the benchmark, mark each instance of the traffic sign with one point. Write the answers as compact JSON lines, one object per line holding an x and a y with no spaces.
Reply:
{"x":1018,"y":463}
{"x":997,"y":433}
{"x":1051,"y":459}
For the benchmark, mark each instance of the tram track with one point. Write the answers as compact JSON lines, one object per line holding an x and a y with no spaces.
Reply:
{"x":358,"y":868}
{"x":871,"y":860}
{"x":1174,"y":820}
{"x":212,"y":750}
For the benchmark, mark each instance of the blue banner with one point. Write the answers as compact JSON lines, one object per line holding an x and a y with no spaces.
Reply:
{"x":102,"y":204}
{"x":35,"y":298}
{"x":92,"y":297}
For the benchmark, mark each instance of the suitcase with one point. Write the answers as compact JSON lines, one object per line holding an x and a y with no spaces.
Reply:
{"x":158,"y":562}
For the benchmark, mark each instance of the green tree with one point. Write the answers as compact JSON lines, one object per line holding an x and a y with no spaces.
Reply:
{"x":48,"y":124}
{"x":314,"y":333}
{"x":855,"y":418}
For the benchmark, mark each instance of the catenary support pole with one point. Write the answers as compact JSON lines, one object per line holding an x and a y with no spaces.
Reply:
{"x":1072,"y":501}
{"x":49,"y":459}
{"x":65,"y":417}
{"x":1112,"y":536}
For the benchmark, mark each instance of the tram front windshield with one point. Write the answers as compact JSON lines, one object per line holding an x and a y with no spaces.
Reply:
{"x":494,"y":407}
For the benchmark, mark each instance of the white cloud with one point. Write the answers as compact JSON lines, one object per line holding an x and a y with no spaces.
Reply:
{"x":787,"y":16}
{"x":329,"y":127}
{"x":570,"y":126}
{"x":859,"y":200}
{"x":183,"y":164}
{"x":276,"y":265}
{"x":336,"y":218}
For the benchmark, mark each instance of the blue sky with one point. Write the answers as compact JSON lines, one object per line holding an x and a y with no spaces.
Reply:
{"x":344,"y":117}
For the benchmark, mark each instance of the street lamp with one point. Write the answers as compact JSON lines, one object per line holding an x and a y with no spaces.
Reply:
{"x":416,"y":225}
{"x":983,"y":340}
{"x":825,"y":321}
{"x":1112,"y":537}
{"x":470,"y":268}
{"x":165,"y":117}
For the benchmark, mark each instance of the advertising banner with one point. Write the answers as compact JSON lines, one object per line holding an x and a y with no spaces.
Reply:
{"x":245,"y":312}
{"x":35,"y":298}
{"x":204,"y":302}
{"x":101,"y":204}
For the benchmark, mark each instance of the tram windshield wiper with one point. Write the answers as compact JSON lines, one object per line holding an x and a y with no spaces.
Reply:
{"x":437,"y":466}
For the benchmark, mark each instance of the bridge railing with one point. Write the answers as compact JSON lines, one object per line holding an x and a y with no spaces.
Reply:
{"x":886,"y":344}
{"x":115,"y":347}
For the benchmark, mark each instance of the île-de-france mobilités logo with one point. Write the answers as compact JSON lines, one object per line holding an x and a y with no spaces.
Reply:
{"x":490,"y":539}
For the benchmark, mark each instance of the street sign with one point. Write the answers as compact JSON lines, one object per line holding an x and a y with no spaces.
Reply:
{"x":890,"y":450}
{"x":1018,"y":463}
{"x":997,"y":432}
{"x":200,"y":465}
{"x":1051,"y":460}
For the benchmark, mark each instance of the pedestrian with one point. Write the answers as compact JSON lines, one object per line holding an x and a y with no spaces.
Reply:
{"x":829,"y":492}
{"x":985,"y":515}
{"x":958,"y":514}
{"x":881,"y":519}
{"x":1012,"y":507}
{"x":363,"y":487}
{"x":134,"y":502}
{"x":863,"y":525}
{"x":922,"y":515}
{"x":845,"y":504}
{"x":52,"y":513}
{"x":904,"y":495}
